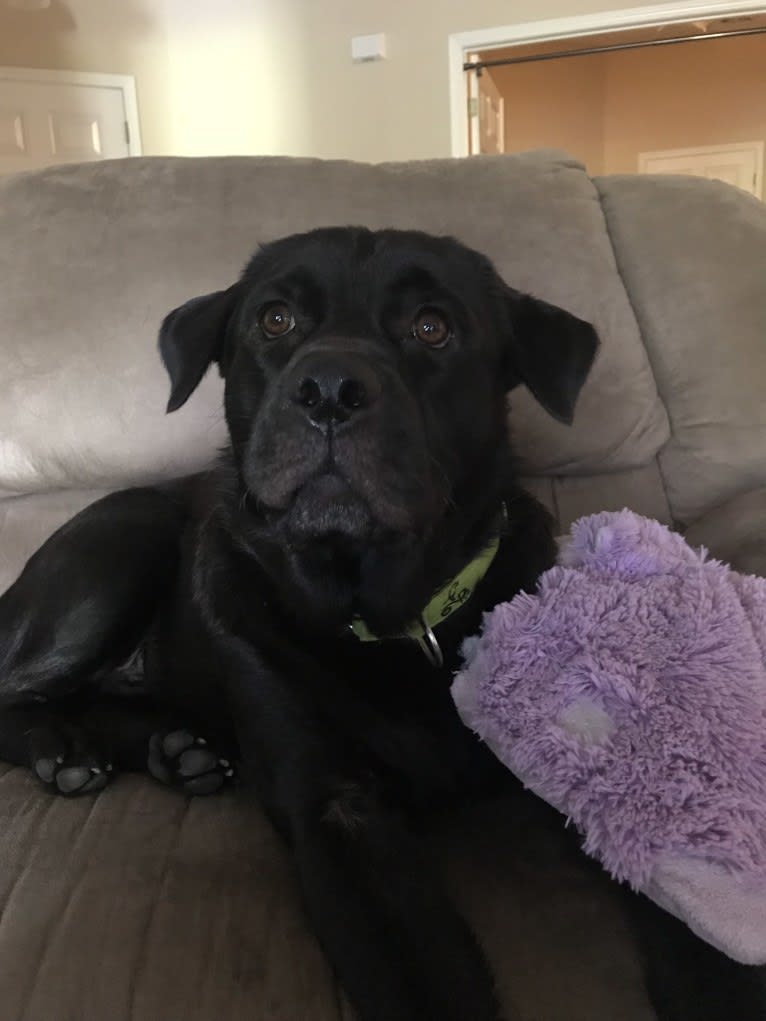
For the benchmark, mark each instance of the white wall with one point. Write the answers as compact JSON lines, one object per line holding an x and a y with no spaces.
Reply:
{"x":237,"y":76}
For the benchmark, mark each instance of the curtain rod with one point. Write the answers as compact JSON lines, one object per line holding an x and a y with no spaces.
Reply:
{"x":479,"y":65}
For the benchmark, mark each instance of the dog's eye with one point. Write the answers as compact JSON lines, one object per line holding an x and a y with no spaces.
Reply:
{"x":277,"y":319}
{"x":431,"y":328}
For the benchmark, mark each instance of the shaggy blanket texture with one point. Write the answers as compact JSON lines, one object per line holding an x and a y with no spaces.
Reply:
{"x":630,"y":693}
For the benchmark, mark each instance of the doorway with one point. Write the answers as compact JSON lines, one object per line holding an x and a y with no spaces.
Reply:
{"x":608,"y":88}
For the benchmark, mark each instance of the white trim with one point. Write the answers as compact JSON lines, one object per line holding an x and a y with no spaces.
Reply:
{"x":461,"y":43}
{"x":126,"y":83}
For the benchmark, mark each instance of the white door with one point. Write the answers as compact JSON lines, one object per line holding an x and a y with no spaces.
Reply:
{"x":54,"y":117}
{"x":740,"y":164}
{"x":486,"y":113}
{"x":491,"y":115}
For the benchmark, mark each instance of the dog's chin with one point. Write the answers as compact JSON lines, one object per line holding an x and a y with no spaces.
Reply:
{"x":326,"y":507}
{"x":330,"y":503}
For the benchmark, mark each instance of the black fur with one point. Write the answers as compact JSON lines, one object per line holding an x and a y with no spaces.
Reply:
{"x":365,"y":469}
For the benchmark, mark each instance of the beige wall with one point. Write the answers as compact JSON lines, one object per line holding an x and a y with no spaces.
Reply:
{"x":274,"y":76}
{"x":559,"y":104}
{"x":675,"y":97}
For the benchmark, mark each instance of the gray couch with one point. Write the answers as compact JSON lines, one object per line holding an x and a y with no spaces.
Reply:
{"x":139,"y":905}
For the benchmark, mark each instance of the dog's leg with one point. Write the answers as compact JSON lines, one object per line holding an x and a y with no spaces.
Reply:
{"x":85,"y":598}
{"x":76,"y":749}
{"x":399,"y":947}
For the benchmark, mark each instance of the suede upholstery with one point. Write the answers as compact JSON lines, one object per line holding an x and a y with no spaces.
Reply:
{"x":735,"y":532}
{"x":140,"y":905}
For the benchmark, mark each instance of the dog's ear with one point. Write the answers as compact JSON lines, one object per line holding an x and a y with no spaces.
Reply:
{"x":191,"y":338}
{"x":550,"y":350}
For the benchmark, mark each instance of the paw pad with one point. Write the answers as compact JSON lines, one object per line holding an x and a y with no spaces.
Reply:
{"x":70,"y":778}
{"x":186,"y":762}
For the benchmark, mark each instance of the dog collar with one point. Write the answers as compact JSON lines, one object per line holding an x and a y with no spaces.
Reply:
{"x":449,"y":598}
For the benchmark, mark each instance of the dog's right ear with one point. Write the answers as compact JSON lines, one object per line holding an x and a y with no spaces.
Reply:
{"x":550,"y":350}
{"x":191,"y":338}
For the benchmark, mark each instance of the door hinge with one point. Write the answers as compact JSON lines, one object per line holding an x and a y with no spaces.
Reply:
{"x":473,"y":107}
{"x":127,"y":132}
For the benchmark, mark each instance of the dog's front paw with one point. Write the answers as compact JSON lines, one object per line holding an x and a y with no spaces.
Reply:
{"x":188,"y":763}
{"x":65,"y":761}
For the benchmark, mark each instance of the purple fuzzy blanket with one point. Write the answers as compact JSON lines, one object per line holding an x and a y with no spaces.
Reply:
{"x":630,"y":693}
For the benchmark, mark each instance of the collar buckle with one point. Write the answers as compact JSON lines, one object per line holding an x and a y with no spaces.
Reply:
{"x":429,"y":643}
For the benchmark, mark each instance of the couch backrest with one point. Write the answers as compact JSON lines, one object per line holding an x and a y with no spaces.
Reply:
{"x":93,"y":256}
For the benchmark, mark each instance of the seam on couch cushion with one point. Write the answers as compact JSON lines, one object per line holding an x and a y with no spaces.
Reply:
{"x":642,"y":334}
{"x":28,"y":862}
{"x":56,"y":923}
{"x":141,"y":960}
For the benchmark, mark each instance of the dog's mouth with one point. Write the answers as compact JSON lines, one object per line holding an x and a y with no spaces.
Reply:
{"x":358,"y":487}
{"x":326,"y":506}
{"x":332,"y":502}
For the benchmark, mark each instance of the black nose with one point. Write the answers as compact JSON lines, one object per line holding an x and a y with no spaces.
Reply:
{"x":334,"y":386}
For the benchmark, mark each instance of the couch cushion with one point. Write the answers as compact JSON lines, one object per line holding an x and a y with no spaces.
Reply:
{"x":693,"y":256}
{"x":93,"y":256}
{"x":735,"y":532}
{"x":141,"y":905}
{"x":569,"y":497}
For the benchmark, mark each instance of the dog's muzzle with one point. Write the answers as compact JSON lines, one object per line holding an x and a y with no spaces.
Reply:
{"x":339,"y":445}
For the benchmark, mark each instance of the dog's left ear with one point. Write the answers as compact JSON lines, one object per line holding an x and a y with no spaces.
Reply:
{"x":550,"y":350}
{"x":191,"y":338}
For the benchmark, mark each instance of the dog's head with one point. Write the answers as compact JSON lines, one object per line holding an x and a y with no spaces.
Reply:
{"x":365,"y":379}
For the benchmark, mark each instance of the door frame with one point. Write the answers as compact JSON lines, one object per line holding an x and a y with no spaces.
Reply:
{"x":460,"y":44}
{"x":125,"y":83}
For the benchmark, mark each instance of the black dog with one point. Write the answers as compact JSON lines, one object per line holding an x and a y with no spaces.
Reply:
{"x":302,"y":605}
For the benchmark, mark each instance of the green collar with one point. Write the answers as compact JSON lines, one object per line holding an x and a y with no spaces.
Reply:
{"x":449,"y":598}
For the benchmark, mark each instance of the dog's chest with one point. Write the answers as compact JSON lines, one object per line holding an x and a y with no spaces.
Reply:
{"x":399,"y":711}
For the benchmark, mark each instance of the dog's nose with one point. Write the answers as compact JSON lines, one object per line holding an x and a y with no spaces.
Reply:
{"x":334,"y":387}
